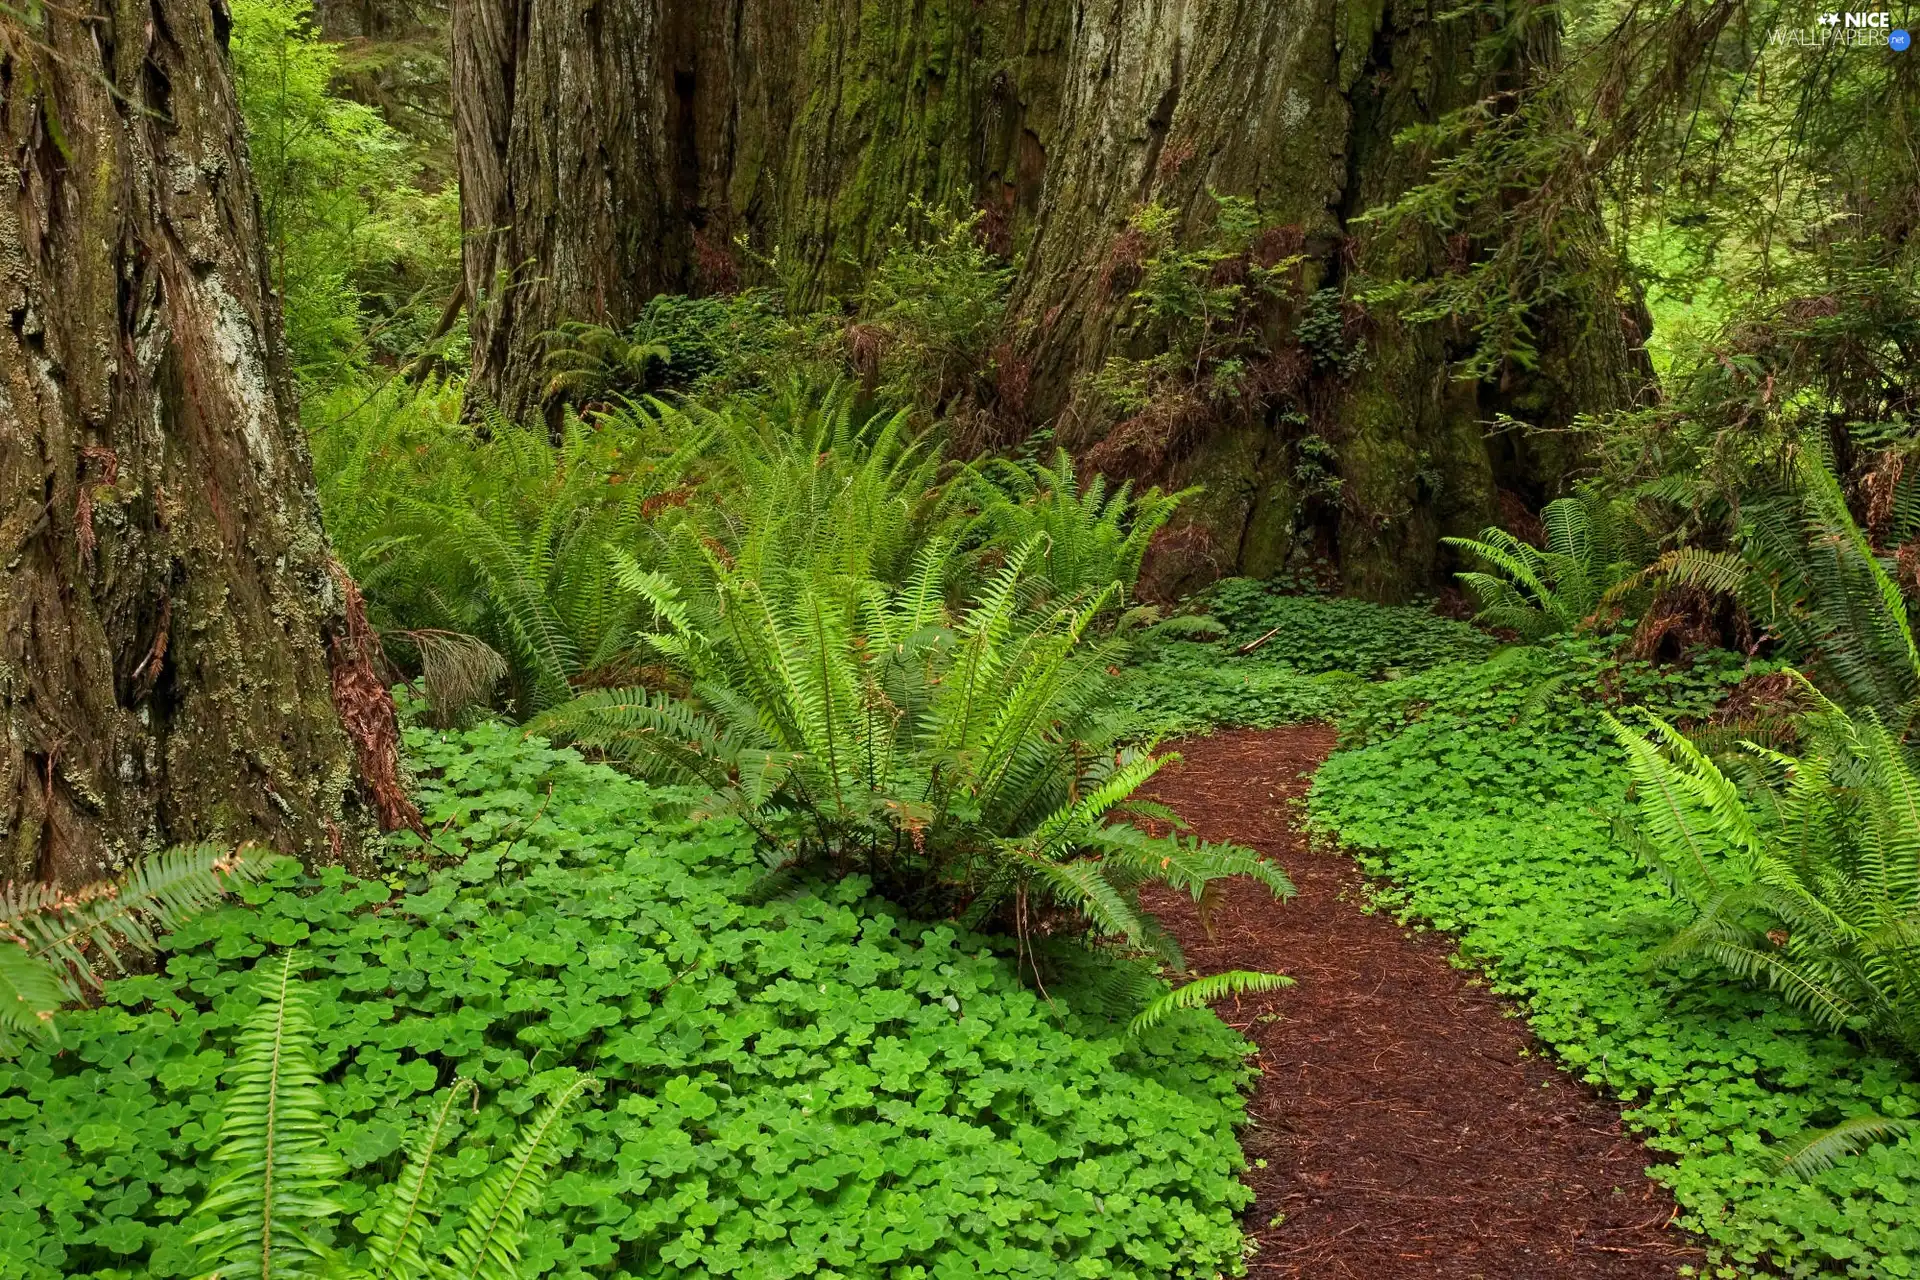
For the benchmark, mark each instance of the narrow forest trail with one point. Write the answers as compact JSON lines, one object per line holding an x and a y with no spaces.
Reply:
{"x":1403,"y":1132}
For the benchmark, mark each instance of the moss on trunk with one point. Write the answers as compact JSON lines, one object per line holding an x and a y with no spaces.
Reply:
{"x":166,"y":589}
{"x":810,"y":126}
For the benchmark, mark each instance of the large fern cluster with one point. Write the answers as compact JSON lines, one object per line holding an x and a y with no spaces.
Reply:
{"x":484,"y":551}
{"x":54,"y":942}
{"x":1809,"y":883}
{"x":1812,"y":883}
{"x":489,"y":556}
{"x":872,"y":670}
{"x":1805,"y":568}
{"x":1541,"y":591}
{"x":272,"y":1193}
{"x":969,"y":759}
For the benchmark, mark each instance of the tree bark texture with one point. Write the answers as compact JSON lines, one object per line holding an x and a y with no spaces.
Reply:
{"x":612,"y":151}
{"x":167,"y":593}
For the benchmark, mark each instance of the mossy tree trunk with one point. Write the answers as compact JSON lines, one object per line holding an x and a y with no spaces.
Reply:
{"x":167,"y":597}
{"x":614,"y":153}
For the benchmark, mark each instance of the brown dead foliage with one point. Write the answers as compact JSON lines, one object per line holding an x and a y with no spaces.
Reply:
{"x":1906,"y":563}
{"x":1682,"y":619}
{"x":1882,"y":484}
{"x":1142,"y":445}
{"x":1176,"y":559}
{"x":1274,"y":245}
{"x":866,"y":344}
{"x":714,"y":268}
{"x":1122,"y":269}
{"x":1518,"y":518}
{"x":1773,"y":695}
{"x":366,"y":712}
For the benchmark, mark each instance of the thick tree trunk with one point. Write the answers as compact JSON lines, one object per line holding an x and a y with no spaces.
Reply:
{"x":167,"y":594}
{"x":613,"y":152}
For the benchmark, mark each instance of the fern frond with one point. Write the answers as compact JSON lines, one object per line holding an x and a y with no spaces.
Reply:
{"x":1818,"y":1150}
{"x":67,"y":930}
{"x":1205,"y":991}
{"x":30,"y":994}
{"x":487,"y":1245}
{"x":275,"y":1174}
{"x":395,"y":1247}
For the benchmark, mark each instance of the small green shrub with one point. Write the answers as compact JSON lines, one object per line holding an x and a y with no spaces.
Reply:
{"x":361,"y":258}
{"x":1197,"y":307}
{"x":932,"y":309}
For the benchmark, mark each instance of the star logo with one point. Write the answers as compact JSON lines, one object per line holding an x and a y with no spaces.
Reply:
{"x":1829,"y":19}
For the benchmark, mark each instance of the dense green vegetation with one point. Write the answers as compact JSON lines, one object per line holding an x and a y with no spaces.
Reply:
{"x":816,"y":1085}
{"x":777,"y":713}
{"x":1492,"y":810}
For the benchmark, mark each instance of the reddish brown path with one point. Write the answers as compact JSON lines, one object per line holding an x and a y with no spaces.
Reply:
{"x":1404,"y":1133}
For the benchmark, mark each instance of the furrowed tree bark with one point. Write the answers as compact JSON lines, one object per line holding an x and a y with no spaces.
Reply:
{"x":168,"y":602}
{"x":613,"y":152}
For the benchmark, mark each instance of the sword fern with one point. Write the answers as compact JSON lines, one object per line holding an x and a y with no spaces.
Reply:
{"x":272,"y":1194}
{"x":53,"y":942}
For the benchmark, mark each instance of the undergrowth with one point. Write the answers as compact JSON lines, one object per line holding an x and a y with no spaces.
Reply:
{"x":1488,"y":794}
{"x":1483,"y":787}
{"x":1315,"y":656}
{"x":810,"y":1087}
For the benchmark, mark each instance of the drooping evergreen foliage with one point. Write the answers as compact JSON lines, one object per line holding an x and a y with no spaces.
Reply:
{"x":57,"y":945}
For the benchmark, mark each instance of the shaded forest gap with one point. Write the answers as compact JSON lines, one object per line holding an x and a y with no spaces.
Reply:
{"x":1403,"y":1133}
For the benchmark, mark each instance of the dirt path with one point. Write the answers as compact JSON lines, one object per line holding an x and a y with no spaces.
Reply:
{"x":1404,"y":1134}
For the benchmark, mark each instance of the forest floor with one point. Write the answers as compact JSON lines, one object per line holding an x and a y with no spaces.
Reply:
{"x":1407,"y":1122}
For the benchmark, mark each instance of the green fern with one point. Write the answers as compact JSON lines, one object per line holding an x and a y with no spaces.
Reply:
{"x":487,"y":1244}
{"x":53,"y":942}
{"x":272,"y":1193}
{"x":970,"y":757}
{"x":476,"y":543}
{"x":1202,"y":992}
{"x":1805,"y":569}
{"x":276,"y":1176}
{"x":1590,"y":551}
{"x":1818,"y":1150}
{"x":1090,"y":535}
{"x":588,"y":362}
{"x":1812,"y":886}
{"x":971,"y":760}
